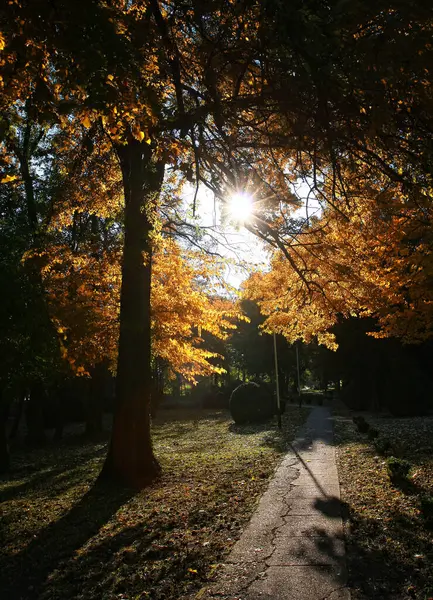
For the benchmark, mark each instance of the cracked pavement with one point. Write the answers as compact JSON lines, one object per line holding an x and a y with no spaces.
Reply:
{"x":293,"y":547}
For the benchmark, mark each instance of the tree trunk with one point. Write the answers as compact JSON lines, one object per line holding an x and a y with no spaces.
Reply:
{"x":130,"y":457}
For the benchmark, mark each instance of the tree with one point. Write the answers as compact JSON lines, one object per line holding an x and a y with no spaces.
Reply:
{"x":253,"y":350}
{"x":161,"y":81}
{"x":225,"y":93}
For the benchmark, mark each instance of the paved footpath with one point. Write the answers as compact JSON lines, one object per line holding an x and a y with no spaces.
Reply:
{"x":293,"y":547}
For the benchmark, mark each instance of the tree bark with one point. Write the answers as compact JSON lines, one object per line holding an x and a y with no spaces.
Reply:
{"x":130,"y":457}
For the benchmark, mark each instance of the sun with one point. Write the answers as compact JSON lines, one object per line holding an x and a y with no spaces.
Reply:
{"x":240,"y":206}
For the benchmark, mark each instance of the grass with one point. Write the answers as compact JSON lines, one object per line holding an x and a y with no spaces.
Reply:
{"x":64,"y":538}
{"x":390,"y":548}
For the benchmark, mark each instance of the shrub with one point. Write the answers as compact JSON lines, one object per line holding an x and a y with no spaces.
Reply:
{"x":398,"y":448}
{"x":251,"y":403}
{"x":382,"y":445}
{"x":361,"y":424}
{"x":372,"y":433}
{"x":363,"y":427}
{"x":398,"y":468}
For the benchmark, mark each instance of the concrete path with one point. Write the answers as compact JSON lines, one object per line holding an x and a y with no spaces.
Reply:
{"x":293,"y":547}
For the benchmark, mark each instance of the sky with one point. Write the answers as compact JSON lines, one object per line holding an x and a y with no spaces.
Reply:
{"x":245,"y":251}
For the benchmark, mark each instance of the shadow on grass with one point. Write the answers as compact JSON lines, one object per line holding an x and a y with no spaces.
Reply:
{"x":25,"y":574}
{"x":250,"y":428}
{"x":388,"y":561}
{"x":124,"y":565}
{"x":165,"y":417}
{"x":272,"y":436}
{"x":408,"y":486}
{"x":389,"y":557}
{"x":37,"y":477}
{"x":384,"y":561}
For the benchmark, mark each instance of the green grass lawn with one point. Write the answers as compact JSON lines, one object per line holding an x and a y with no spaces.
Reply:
{"x":390,"y":548}
{"x":62,"y":538}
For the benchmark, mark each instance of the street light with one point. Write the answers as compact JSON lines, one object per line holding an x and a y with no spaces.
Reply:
{"x":299,"y":375}
{"x":277,"y":383}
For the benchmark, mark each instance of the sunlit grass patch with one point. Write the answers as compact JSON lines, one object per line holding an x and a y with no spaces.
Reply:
{"x":65,"y":539}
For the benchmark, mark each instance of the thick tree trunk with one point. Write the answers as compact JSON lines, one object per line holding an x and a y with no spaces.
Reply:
{"x":130,"y":457}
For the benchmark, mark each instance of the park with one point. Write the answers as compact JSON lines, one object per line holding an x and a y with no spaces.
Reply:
{"x":216,"y":234}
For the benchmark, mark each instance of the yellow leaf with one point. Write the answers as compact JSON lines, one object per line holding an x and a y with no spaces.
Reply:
{"x":110,"y":77}
{"x":141,"y":135}
{"x":9,"y":178}
{"x":2,"y":42}
{"x":192,"y":570}
{"x":86,"y":122}
{"x":148,"y":141}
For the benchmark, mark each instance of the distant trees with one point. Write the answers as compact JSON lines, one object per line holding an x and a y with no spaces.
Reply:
{"x":251,"y":351}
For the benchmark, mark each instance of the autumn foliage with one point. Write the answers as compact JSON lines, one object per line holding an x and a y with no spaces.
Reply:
{"x":84,"y":295}
{"x":370,"y":258}
{"x":96,"y":145}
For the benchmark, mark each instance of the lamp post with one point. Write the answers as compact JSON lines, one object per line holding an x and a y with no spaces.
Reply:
{"x":299,"y":375}
{"x":277,"y":382}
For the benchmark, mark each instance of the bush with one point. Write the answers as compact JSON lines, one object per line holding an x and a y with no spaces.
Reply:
{"x":251,"y":403}
{"x":398,"y":448}
{"x":361,"y":424}
{"x":372,"y":433}
{"x":270,"y":391}
{"x":398,"y":468}
{"x":382,"y":445}
{"x":363,"y":427}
